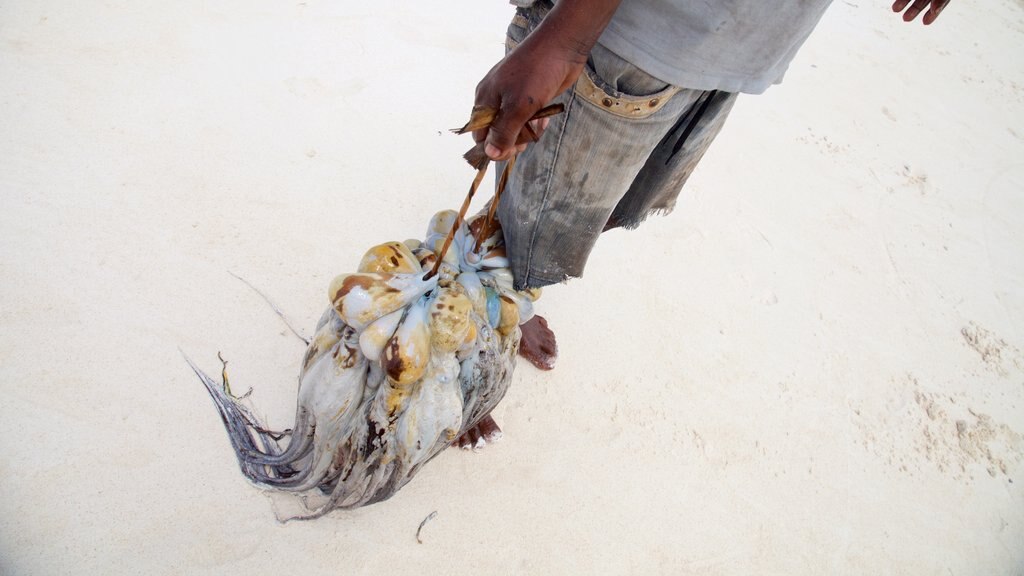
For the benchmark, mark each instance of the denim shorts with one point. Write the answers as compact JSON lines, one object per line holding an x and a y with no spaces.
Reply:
{"x":621,"y":151}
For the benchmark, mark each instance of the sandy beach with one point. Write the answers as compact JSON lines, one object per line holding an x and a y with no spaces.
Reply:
{"x":815,"y":365}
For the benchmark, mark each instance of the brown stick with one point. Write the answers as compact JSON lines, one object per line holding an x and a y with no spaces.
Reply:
{"x":458,"y":220}
{"x":486,"y":229}
{"x":482,"y":117}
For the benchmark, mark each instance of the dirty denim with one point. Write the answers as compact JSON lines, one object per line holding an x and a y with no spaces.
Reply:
{"x":621,"y":151}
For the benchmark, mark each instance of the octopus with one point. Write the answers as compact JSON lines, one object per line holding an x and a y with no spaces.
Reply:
{"x":415,"y":350}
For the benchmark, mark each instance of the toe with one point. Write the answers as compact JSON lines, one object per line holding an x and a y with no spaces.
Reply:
{"x":485,"y":431}
{"x":489,"y":430}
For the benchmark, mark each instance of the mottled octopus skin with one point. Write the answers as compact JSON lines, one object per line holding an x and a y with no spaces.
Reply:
{"x":399,"y":367}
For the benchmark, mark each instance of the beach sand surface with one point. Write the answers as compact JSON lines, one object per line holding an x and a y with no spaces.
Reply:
{"x":813,"y":366}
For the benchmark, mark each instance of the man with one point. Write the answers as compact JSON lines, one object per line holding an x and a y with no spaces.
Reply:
{"x":646,"y":85}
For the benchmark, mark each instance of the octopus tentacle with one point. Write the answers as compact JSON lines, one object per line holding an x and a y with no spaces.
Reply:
{"x":241,"y":425}
{"x":300,"y":445}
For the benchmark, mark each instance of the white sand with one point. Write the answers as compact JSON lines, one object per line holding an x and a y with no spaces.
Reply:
{"x":769,"y":381}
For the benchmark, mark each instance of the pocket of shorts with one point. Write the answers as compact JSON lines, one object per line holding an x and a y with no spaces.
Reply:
{"x":525,"y":21}
{"x":596,"y":91}
{"x":628,"y":91}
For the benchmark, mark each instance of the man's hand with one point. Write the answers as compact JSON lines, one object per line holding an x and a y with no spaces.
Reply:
{"x":935,"y":8}
{"x":525,"y":81}
{"x":543,"y":66}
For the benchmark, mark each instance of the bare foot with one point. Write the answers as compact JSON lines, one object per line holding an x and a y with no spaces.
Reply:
{"x":538,"y":343}
{"x":486,"y":431}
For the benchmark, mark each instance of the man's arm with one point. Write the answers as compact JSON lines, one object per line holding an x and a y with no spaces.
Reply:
{"x":542,"y":67}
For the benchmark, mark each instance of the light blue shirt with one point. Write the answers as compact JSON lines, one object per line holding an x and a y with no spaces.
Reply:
{"x":729,"y":45}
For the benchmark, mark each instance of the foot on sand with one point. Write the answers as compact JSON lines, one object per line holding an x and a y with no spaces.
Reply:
{"x":538,"y":343}
{"x":485,"y":432}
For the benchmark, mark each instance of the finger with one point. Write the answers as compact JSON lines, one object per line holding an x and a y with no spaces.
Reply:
{"x":534,"y":128}
{"x":527,"y":136}
{"x":899,"y":5}
{"x":487,"y":97}
{"x":934,"y":11}
{"x":915,"y":9}
{"x":539,"y":126}
{"x":501,"y":138}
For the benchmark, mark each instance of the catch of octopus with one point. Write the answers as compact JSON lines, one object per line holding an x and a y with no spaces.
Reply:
{"x":416,"y":348}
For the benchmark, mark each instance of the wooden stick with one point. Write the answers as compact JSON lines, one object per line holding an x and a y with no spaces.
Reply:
{"x":486,"y":229}
{"x":458,"y":220}
{"x":482,"y":117}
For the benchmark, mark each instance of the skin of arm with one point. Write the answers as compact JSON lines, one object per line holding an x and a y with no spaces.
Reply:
{"x":544,"y":65}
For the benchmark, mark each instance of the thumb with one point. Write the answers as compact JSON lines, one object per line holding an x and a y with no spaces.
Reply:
{"x":504,"y":131}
